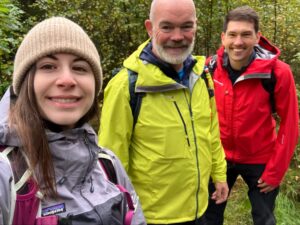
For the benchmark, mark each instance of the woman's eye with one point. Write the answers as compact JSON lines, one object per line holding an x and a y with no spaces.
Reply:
{"x":47,"y":67}
{"x":81,"y":69}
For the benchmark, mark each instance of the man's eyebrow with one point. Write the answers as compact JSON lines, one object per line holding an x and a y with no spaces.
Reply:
{"x":170,"y":23}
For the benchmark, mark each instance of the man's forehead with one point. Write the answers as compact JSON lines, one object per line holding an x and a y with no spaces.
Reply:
{"x":173,"y":10}
{"x":176,"y":23}
{"x":240,"y":26}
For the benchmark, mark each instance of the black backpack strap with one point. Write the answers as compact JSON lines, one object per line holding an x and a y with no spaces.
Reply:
{"x":212,"y":64}
{"x":210,"y":67}
{"x":204,"y":76}
{"x":135,"y":98}
{"x":20,"y":179}
{"x":107,"y":165}
{"x":269,"y":86}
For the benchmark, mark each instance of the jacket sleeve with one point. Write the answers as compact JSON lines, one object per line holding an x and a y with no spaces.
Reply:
{"x":218,"y":173}
{"x":287,"y":136}
{"x":4,"y":106}
{"x":116,"y":118}
{"x":138,"y":218}
{"x":5,"y":191}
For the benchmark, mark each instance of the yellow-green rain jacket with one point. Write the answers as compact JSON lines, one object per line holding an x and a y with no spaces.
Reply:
{"x":175,"y":144}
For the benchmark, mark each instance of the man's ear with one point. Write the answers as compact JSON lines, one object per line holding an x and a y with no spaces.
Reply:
{"x":258,"y":34}
{"x":222,"y":37}
{"x":148,"y":25}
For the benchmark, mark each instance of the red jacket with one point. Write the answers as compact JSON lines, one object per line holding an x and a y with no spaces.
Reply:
{"x":247,"y":127}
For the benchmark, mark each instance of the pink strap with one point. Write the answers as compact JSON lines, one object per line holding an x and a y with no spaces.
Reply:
{"x":48,"y":220}
{"x":130,"y":213}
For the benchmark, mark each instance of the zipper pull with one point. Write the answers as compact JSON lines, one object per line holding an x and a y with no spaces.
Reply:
{"x":62,"y":180}
{"x":92,"y":185}
{"x":85,"y":138}
{"x":188,"y":140}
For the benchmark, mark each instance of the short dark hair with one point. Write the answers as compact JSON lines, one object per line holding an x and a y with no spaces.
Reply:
{"x":243,"y":13}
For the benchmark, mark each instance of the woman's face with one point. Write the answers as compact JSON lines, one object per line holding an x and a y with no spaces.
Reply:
{"x":64,"y":86}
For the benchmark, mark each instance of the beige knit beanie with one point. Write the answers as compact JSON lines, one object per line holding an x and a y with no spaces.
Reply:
{"x":52,"y":36}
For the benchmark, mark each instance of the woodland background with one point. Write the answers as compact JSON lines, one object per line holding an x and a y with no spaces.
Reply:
{"x":117,"y":28}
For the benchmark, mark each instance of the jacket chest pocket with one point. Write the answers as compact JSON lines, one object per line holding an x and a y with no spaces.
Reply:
{"x":162,"y":127}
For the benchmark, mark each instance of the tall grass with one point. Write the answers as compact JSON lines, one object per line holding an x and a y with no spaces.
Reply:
{"x":238,"y":207}
{"x":287,"y":211}
{"x":238,"y":210}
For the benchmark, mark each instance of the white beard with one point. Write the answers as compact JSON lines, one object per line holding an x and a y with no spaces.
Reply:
{"x":173,"y":59}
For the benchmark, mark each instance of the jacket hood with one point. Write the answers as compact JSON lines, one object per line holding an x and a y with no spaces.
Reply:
{"x":4,"y":106}
{"x":266,"y":50}
{"x":151,"y":72}
{"x":6,"y":136}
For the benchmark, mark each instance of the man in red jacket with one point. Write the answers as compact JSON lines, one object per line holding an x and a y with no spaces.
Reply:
{"x":249,"y":79}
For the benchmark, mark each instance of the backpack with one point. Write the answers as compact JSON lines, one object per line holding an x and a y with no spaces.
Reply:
{"x":136,"y":97}
{"x":268,"y":84}
{"x":26,"y":209}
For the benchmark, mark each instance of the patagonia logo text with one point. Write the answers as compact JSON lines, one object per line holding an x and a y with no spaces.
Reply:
{"x":55,"y":209}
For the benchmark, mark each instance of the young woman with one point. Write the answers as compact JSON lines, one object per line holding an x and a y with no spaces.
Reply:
{"x":49,"y":149}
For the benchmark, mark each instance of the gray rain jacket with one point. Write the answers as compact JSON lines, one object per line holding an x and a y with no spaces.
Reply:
{"x":85,"y":195}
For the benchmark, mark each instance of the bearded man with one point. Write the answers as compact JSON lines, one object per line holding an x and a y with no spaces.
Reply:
{"x":172,"y":146}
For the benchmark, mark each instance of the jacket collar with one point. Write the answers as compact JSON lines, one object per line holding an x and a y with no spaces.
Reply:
{"x":152,"y":73}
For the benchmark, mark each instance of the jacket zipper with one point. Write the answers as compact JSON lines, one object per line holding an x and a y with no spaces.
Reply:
{"x":91,"y":179}
{"x":231,"y":124}
{"x":90,"y":156}
{"x":196,"y":147}
{"x":184,"y":124}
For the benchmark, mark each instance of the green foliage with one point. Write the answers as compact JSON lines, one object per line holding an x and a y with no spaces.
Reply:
{"x":295,"y":65}
{"x":286,"y":211}
{"x":278,"y":22}
{"x":9,"y":40}
{"x":116,"y":27}
{"x":296,"y":158}
{"x":238,"y":210}
{"x":291,"y":185}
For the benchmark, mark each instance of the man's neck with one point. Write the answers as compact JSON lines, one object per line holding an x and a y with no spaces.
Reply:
{"x":178,"y":67}
{"x":237,"y":66}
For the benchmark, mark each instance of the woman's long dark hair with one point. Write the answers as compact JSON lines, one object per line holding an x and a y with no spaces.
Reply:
{"x":29,"y":125}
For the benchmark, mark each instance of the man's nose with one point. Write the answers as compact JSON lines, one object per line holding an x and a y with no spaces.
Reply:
{"x":177,"y":34}
{"x":238,"y":40}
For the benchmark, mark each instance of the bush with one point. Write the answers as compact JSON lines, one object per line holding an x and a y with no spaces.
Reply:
{"x":11,"y":29}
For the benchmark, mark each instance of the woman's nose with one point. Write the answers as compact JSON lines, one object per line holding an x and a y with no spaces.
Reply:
{"x":66,"y":78}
